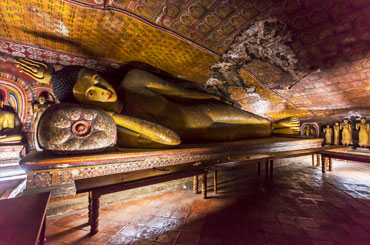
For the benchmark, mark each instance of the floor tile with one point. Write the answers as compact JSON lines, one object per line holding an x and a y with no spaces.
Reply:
{"x":301,"y":207}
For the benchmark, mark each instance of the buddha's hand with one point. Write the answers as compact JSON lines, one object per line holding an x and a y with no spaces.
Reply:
{"x":39,"y":71}
{"x":153,"y":131}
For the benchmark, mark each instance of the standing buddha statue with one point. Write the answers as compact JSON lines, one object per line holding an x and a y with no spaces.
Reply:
{"x":328,"y":131}
{"x":336,"y":133}
{"x":363,"y":135}
{"x":346,"y":128}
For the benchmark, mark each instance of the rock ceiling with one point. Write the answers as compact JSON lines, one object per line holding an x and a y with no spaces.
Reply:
{"x":330,"y":40}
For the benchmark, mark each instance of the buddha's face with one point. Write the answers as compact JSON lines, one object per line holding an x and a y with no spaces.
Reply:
{"x":345,"y":121}
{"x":92,"y":87}
{"x":363,"y":120}
{"x":41,"y":100}
{"x":7,"y":120}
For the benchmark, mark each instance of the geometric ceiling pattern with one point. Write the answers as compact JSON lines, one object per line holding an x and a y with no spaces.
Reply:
{"x":331,"y":40}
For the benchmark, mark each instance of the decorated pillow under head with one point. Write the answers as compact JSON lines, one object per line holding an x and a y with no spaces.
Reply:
{"x":73,"y":128}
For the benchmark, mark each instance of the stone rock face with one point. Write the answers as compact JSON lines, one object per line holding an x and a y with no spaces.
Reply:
{"x":265,"y":40}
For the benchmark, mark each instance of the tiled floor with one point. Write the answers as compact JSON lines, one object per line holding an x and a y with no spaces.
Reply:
{"x":301,"y":207}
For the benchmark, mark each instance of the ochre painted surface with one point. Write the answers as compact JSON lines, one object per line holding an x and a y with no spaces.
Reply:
{"x":266,"y":102}
{"x":329,"y":37}
{"x":19,"y":92}
{"x":74,"y":28}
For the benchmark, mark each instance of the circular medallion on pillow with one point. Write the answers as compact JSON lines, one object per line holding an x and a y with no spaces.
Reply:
{"x":73,"y":129}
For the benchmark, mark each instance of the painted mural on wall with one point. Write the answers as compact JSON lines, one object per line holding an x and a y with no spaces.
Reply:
{"x":20,"y":94}
{"x":184,"y":38}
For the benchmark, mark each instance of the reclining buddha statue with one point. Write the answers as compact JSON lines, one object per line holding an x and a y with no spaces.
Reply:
{"x":10,"y":126}
{"x":151,"y":112}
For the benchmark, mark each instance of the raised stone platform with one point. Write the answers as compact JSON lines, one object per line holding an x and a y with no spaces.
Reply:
{"x":56,"y":173}
{"x":10,"y":155}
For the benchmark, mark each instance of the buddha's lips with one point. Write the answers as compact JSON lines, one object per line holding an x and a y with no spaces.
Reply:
{"x":110,"y":96}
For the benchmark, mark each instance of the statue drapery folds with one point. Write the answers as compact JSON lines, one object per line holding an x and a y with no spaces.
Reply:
{"x":151,"y":112}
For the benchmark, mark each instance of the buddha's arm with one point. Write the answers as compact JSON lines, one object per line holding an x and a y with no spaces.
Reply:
{"x":162,"y":87}
{"x":11,"y":138}
{"x":152,"y":131}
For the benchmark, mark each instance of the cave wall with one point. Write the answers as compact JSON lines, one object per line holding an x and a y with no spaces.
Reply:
{"x":183,"y":39}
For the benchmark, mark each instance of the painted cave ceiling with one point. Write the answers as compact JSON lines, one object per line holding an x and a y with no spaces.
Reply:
{"x":328,"y":44}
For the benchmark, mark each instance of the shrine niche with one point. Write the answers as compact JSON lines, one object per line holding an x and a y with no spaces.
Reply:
{"x":310,"y":129}
{"x":18,"y":94}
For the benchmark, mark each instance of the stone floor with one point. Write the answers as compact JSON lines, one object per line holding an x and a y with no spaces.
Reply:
{"x":301,"y":207}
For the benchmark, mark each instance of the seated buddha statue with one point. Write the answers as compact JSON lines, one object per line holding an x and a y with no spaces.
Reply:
{"x":10,"y":126}
{"x":151,"y":112}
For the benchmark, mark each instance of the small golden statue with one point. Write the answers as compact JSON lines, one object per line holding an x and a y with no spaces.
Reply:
{"x":10,"y":126}
{"x":346,"y":132}
{"x":151,"y":112}
{"x":309,"y":131}
{"x":38,"y":108}
{"x":328,"y":131}
{"x":363,"y":135}
{"x":336,"y":133}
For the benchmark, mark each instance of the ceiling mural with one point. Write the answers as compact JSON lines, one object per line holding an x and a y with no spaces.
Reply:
{"x":330,"y":41}
{"x":84,"y":30}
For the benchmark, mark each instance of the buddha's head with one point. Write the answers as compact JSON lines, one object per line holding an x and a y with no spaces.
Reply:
{"x":363,"y":120}
{"x":336,"y":123}
{"x":76,"y":83}
{"x":327,"y":126}
{"x":41,"y":100}
{"x":345,"y":121}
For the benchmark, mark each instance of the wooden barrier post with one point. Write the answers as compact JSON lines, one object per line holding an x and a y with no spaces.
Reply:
{"x":330,"y":164}
{"x":204,"y":185}
{"x":94,"y":209}
{"x":323,"y":167}
{"x":313,"y":160}
{"x":195,"y":184}
{"x":271,"y":169}
{"x":318,"y":160}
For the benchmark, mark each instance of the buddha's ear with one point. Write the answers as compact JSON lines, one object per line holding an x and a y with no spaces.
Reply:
{"x":95,"y":78}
